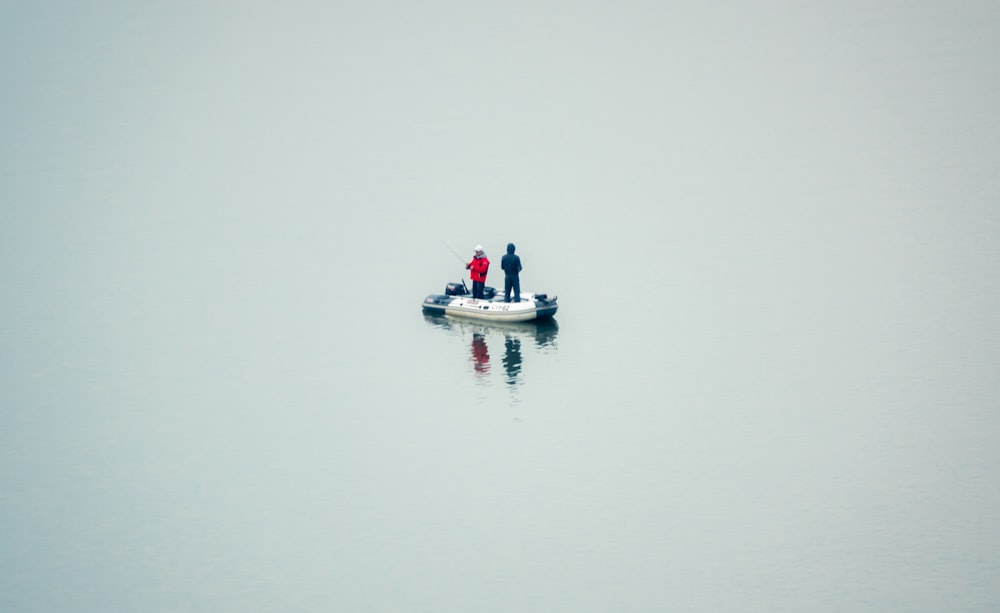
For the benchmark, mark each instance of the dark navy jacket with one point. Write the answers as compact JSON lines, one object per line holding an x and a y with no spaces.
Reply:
{"x":510,"y":263}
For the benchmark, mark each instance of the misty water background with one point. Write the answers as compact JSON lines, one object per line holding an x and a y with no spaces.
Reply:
{"x":772,"y":384}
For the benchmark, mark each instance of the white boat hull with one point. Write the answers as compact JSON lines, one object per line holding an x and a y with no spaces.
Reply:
{"x":531,"y":307}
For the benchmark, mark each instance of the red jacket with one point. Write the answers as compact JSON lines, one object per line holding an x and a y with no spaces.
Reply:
{"x":479,"y":266}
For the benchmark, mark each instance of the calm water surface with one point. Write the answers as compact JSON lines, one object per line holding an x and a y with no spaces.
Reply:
{"x":771,"y":385}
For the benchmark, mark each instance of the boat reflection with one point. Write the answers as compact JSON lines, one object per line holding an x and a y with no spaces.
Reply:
{"x":542,"y":335}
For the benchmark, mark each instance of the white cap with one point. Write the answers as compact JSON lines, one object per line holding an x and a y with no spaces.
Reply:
{"x":479,"y":248}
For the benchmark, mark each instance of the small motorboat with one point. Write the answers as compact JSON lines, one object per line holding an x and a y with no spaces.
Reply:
{"x":458,"y":301}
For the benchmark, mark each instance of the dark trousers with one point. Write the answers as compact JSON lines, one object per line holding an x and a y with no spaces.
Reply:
{"x":477,"y":289}
{"x":512,"y":283}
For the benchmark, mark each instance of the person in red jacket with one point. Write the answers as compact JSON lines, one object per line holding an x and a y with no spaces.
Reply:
{"x":478,"y":267}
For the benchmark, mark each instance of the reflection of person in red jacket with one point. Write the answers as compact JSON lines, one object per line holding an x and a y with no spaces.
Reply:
{"x":479,"y":266}
{"x":480,"y":355}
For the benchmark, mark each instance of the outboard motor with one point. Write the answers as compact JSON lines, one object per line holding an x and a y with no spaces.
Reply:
{"x":456,"y":289}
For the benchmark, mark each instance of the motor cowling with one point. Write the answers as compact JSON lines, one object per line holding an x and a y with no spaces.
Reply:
{"x":455,"y":289}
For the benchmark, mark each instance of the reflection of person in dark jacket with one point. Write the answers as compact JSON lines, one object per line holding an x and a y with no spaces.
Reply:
{"x":511,"y":265}
{"x":479,"y":266}
{"x":512,"y":359}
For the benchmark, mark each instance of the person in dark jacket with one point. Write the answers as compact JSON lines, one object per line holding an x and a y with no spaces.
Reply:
{"x":479,"y":266}
{"x":511,"y":265}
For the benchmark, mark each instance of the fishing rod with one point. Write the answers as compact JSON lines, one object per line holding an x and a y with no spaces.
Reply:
{"x":464,"y":263}
{"x":455,"y":252}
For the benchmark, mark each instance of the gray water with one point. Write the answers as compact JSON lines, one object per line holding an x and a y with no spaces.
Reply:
{"x":772,"y":384}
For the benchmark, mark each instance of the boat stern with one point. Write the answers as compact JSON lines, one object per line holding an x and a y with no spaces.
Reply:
{"x":436,"y":303}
